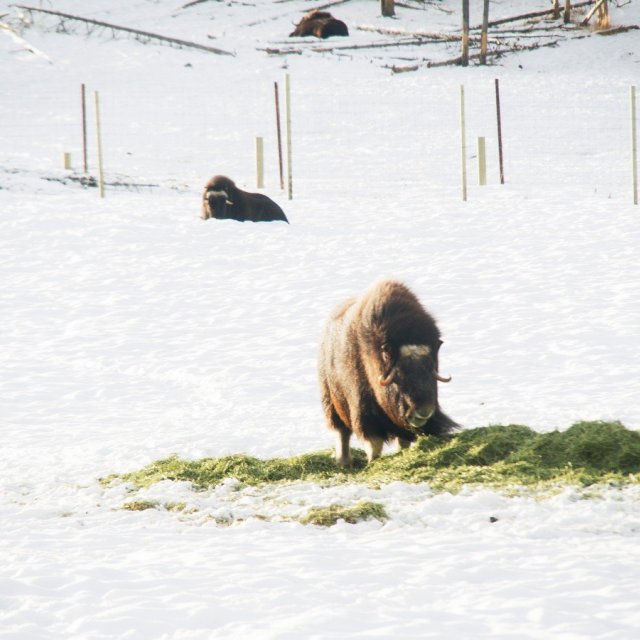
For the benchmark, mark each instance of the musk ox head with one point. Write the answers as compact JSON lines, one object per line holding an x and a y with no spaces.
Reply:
{"x":401,"y":342}
{"x":408,"y":383}
{"x":215,"y":203}
{"x":219,"y":194}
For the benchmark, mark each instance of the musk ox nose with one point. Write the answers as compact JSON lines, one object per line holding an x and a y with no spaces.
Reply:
{"x":418,"y":417}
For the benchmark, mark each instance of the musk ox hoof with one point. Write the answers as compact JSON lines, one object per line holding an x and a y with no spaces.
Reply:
{"x":346,"y":462}
{"x":373,"y":447}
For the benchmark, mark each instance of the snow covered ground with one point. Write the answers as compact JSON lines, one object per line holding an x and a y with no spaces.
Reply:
{"x":133,"y":330}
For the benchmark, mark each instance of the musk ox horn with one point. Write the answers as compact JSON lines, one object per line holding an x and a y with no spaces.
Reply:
{"x":385,"y":381}
{"x":440,"y":378}
{"x":218,"y":194}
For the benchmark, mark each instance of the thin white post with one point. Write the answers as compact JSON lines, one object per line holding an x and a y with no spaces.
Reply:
{"x":464,"y":144}
{"x":634,"y":145}
{"x":482,"y":162}
{"x":499,"y":118}
{"x":279,"y":134}
{"x":83,"y":99}
{"x":260,"y":162}
{"x":287,"y":91}
{"x":99,"y":140}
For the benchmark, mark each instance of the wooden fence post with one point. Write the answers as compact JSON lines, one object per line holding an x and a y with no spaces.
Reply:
{"x":634,"y":146}
{"x":463,"y":151}
{"x":603,"y":15}
{"x":484,"y":40}
{"x":99,"y":140}
{"x":280,"y":165}
{"x":567,"y":11}
{"x":500,"y":158}
{"x":259,"y":162}
{"x":556,"y":9}
{"x":67,"y":161}
{"x":464,"y":58}
{"x":387,"y":8}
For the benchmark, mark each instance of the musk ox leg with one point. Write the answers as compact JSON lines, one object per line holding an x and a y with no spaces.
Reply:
{"x":343,"y":451}
{"x":373,"y":447}
{"x":403,"y":444}
{"x":335,"y":422}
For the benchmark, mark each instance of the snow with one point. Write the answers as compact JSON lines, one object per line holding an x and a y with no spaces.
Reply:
{"x":133,"y":330}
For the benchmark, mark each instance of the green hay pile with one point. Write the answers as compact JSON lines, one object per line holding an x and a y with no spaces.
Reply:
{"x":495,"y":456}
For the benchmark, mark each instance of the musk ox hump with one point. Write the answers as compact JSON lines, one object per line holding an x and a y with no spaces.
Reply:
{"x":393,"y":315}
{"x":220,"y":183}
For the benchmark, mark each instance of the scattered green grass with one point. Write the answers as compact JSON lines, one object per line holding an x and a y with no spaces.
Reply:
{"x":328,"y":516}
{"x":140,"y":505}
{"x":496,"y":456}
{"x":175,"y":506}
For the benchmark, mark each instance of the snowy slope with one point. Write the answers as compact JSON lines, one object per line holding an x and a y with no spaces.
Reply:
{"x":133,"y":330}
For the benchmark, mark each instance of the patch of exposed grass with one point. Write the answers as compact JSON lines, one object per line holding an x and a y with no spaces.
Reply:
{"x":328,"y":516}
{"x":140,"y":505}
{"x":495,"y":456}
{"x":175,"y":506}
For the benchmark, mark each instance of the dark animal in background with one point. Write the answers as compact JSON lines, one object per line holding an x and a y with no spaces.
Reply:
{"x":223,"y":200}
{"x":320,"y":24}
{"x":378,"y":371}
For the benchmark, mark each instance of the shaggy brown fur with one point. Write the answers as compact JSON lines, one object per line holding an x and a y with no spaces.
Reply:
{"x":320,"y":24}
{"x":378,"y":371}
{"x":223,"y":200}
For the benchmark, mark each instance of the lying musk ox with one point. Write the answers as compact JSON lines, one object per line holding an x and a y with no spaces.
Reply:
{"x":320,"y":24}
{"x":378,"y":371}
{"x":223,"y":200}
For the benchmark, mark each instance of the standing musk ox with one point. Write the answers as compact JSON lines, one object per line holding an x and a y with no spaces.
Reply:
{"x":320,"y":24}
{"x":223,"y":200}
{"x":378,"y":371}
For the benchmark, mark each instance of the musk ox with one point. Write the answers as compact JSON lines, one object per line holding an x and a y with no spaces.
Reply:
{"x":320,"y":24}
{"x":378,"y":371}
{"x":223,"y":200}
